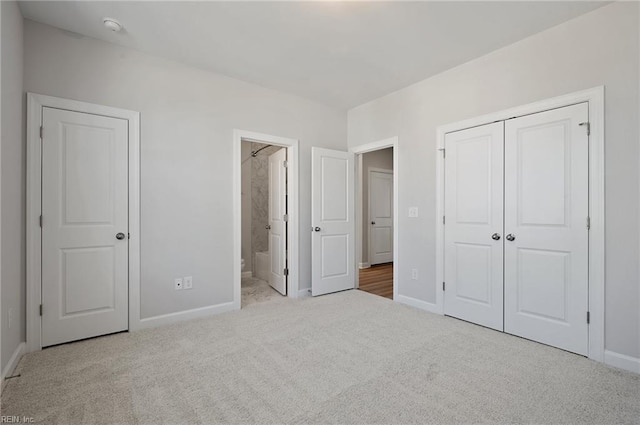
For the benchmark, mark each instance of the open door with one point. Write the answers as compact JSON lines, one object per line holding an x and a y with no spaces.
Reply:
{"x":333,"y":221}
{"x":278,"y":221}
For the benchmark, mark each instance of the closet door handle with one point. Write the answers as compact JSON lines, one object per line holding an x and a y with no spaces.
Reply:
{"x":510,"y":237}
{"x":268,"y":227}
{"x":316,"y":229}
{"x":495,"y":236}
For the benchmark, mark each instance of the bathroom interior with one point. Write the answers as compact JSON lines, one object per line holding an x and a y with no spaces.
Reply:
{"x":255,"y":220}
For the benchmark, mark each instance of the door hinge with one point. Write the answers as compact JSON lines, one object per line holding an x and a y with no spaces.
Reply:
{"x":40,"y":309}
{"x":588,"y":223}
{"x":285,"y":217}
{"x":588,"y":317}
{"x":443,"y":286}
{"x":286,"y":164}
{"x":588,"y":125}
{"x":443,"y":219}
{"x":41,"y":132}
{"x":286,"y":272}
{"x":40,"y":220}
{"x":443,"y":152}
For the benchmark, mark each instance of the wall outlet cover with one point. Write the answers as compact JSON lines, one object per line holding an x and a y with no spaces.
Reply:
{"x":188,"y":282}
{"x":177,"y":284}
{"x":413,"y":212}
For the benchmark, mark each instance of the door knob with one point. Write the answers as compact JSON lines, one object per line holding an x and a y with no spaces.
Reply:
{"x":268,"y":227}
{"x":510,"y":237}
{"x":495,"y":236}
{"x":120,"y":236}
{"x":373,"y":222}
{"x":316,"y":229}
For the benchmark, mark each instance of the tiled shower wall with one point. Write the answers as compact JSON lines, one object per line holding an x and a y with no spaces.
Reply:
{"x":260,"y":197}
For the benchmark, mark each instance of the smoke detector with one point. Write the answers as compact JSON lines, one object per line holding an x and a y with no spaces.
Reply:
{"x":112,"y":24}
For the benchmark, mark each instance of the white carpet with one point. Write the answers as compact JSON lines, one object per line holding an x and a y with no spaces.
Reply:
{"x":345,"y":358}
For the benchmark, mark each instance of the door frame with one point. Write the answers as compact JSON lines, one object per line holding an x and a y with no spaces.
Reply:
{"x":35,"y":103}
{"x":595,"y":99}
{"x":292,"y":146}
{"x":369,"y":171}
{"x":391,"y":142}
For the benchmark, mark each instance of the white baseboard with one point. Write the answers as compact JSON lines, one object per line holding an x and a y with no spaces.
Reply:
{"x":246,"y":274}
{"x":13,"y":361}
{"x":306,"y":292}
{"x":167,"y":319}
{"x":622,"y":361}
{"x":364,"y":265}
{"x":413,"y":302}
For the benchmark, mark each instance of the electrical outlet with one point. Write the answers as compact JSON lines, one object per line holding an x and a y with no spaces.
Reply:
{"x":188,"y":282}
{"x":177,"y":284}
{"x":413,"y":212}
{"x":414,"y":274}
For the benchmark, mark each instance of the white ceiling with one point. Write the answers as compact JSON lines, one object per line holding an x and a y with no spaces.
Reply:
{"x":338,"y":53}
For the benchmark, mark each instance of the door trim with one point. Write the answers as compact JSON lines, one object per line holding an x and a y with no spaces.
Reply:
{"x":35,"y":103}
{"x":595,"y":98}
{"x":369,"y":171}
{"x":391,"y":142}
{"x":293,"y":287}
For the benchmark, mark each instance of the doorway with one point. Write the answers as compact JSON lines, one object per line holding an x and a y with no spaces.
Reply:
{"x":376,"y":258}
{"x":377,"y":217}
{"x":264,"y":222}
{"x":265,"y":218}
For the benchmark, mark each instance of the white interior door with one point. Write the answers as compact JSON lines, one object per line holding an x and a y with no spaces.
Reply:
{"x":473,"y":228}
{"x":546,"y":209}
{"x":277,"y":220}
{"x":84,"y":225}
{"x":333,"y":221}
{"x":380,"y":217}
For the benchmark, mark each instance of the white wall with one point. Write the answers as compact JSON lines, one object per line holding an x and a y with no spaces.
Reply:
{"x":13,"y":180}
{"x":382,"y":158}
{"x":187,"y":121}
{"x":600,"y":48}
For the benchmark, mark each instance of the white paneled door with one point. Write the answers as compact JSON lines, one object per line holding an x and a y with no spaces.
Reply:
{"x":546,"y":210}
{"x":380,"y":217}
{"x":473,"y":271}
{"x":84,"y":225}
{"x":332,"y":221}
{"x":277,"y":221}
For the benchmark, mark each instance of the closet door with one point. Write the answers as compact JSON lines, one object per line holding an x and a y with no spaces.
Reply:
{"x":473,"y":230}
{"x":546,"y":242}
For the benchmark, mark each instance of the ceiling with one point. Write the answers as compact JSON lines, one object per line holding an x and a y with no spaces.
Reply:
{"x":341,"y":54}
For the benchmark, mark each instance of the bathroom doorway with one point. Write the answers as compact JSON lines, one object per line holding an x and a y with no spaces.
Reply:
{"x":268,"y":221}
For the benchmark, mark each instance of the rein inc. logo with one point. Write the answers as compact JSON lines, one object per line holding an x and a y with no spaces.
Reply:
{"x":4,"y":419}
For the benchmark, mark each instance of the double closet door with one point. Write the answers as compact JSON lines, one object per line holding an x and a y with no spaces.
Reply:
{"x":516,"y":232}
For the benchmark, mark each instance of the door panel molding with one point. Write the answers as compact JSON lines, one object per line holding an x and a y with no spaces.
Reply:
{"x":595,"y":99}
{"x":35,"y":105}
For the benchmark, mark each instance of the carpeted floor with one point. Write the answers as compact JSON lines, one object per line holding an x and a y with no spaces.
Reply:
{"x":350,"y":357}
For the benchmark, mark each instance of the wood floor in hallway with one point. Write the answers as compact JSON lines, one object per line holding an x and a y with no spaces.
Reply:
{"x":378,"y":280}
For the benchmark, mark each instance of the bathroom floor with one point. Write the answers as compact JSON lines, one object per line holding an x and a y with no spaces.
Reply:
{"x":256,"y":290}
